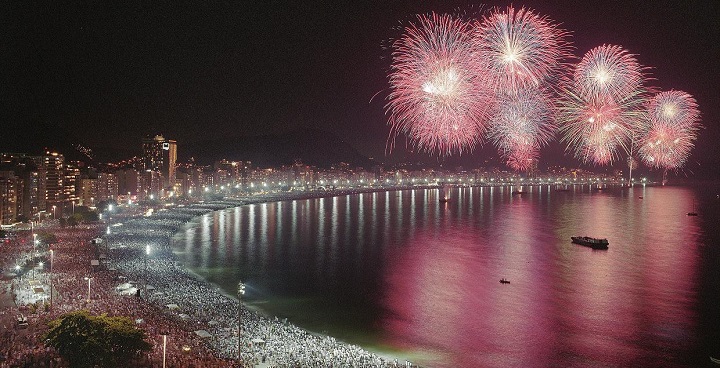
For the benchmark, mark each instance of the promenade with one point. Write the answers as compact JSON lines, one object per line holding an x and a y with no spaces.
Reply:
{"x":200,"y":322}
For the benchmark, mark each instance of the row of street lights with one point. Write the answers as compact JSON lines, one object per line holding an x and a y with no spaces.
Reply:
{"x":241,"y":287}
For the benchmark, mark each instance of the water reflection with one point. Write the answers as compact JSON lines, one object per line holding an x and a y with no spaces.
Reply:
{"x":401,"y":269}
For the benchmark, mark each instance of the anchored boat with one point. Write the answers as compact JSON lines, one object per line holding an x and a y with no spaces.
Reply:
{"x":594,"y":243}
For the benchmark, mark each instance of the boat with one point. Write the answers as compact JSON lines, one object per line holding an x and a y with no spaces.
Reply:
{"x":594,"y":243}
{"x":518,"y":192}
{"x":504,"y":281}
{"x":693,"y":213}
{"x":715,"y":360}
{"x":444,"y":194}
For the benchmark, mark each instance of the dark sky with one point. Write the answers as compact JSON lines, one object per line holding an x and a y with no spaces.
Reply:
{"x":104,"y":74}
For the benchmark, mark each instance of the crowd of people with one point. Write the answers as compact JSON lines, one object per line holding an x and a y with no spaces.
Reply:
{"x":203,"y":326}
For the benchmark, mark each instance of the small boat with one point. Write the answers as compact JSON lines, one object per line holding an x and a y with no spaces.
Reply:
{"x":692,"y":214}
{"x":594,"y":243}
{"x":444,"y":195}
{"x":504,"y":281}
{"x":641,"y":197}
{"x":518,"y":192}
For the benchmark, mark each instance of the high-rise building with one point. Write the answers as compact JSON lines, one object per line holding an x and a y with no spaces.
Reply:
{"x":54,"y":188}
{"x":8,"y":197}
{"x":30,"y":193}
{"x":88,"y":192}
{"x":245,"y":168}
{"x":128,"y":181}
{"x":160,"y":155}
{"x":27,"y":181}
{"x":107,"y":186}
{"x":71,"y":187}
{"x":150,"y":185}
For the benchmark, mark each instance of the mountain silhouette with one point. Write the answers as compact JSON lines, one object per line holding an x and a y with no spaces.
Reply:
{"x":310,"y":146}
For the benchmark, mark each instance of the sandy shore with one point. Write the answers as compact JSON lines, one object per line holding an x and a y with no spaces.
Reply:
{"x":260,"y":322}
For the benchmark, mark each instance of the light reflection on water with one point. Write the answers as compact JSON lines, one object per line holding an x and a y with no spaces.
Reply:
{"x":400,"y":270}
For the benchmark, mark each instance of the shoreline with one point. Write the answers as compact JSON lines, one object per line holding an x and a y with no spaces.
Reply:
{"x":386,"y":353}
{"x":248,"y":310}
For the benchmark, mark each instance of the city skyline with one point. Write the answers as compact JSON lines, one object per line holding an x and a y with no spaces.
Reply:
{"x":194,"y":73}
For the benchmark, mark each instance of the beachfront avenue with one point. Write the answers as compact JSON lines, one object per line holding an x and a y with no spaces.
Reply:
{"x":124,"y":266}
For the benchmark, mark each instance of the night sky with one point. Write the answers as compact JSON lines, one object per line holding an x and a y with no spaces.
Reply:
{"x":107,"y":74}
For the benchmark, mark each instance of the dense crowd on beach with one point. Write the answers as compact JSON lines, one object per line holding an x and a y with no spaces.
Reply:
{"x":137,"y":275}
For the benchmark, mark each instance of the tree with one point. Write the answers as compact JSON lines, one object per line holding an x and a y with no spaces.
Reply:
{"x":88,"y":341}
{"x":74,"y":220}
{"x":103,"y":206}
{"x":46,"y":238}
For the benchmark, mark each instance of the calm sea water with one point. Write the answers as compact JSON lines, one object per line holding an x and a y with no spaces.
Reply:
{"x":399,"y":271}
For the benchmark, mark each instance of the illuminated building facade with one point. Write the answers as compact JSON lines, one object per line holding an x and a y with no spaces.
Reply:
{"x":160,"y":155}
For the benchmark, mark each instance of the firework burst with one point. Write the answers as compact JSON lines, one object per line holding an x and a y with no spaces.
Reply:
{"x":673,"y":109}
{"x":521,"y":124}
{"x":438,"y":95}
{"x":522,"y":157}
{"x":602,"y":111}
{"x":521,"y":48}
{"x":607,"y":71}
{"x":597,"y":129}
{"x":674,"y":122}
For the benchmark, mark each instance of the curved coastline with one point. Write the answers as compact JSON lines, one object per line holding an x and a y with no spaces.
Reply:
{"x":222,"y":324}
{"x":205,"y":208}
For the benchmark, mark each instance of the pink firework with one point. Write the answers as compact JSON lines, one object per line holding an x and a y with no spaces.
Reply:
{"x":602,"y":108}
{"x":521,"y":48}
{"x":598,"y":129}
{"x":522,"y":157}
{"x":607,"y":71}
{"x":438,"y":96}
{"x":674,"y":122}
{"x":522,"y":123}
{"x":673,"y":109}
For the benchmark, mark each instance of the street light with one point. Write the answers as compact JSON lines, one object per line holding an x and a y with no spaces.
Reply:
{"x":41,"y":266}
{"x":52,"y":257}
{"x":54,"y":216}
{"x":240,"y":292}
{"x":88,"y":280}
{"x":164,"y":348}
{"x":35,"y":241}
{"x":147,"y":255}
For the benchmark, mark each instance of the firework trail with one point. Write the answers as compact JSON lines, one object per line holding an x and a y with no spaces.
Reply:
{"x":438,"y":95}
{"x":521,"y":124}
{"x":674,"y":122}
{"x":521,"y":48}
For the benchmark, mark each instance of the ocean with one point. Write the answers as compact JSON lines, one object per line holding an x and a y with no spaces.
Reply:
{"x":402,"y":274}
